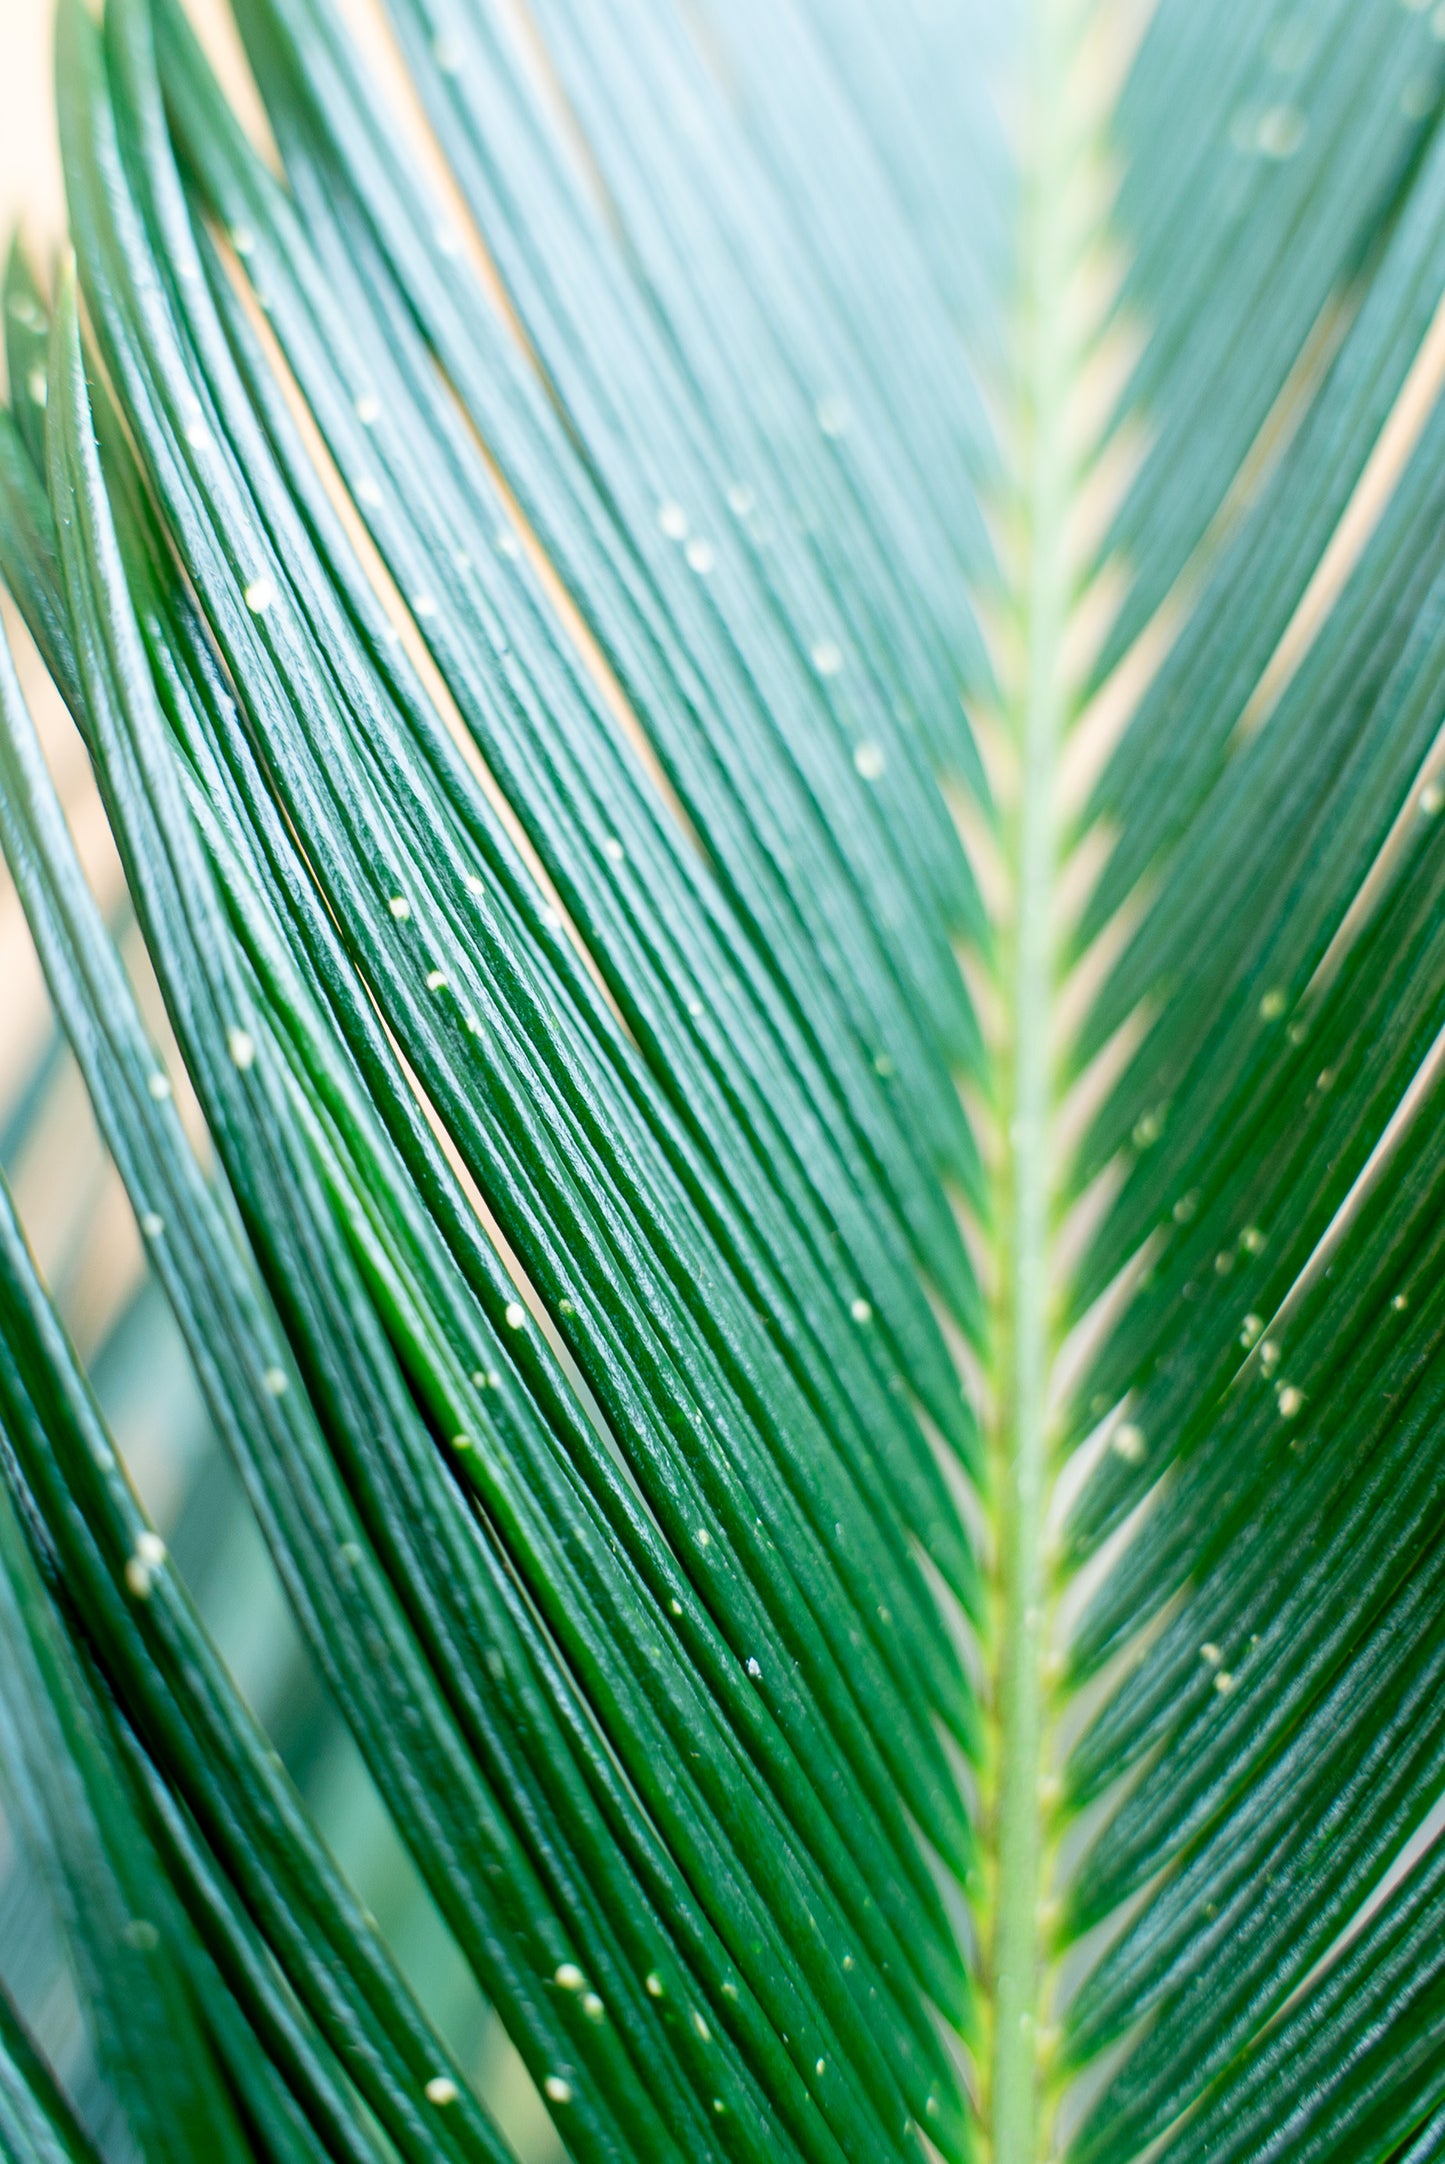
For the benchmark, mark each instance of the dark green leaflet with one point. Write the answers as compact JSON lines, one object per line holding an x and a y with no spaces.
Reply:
{"x":1428,"y":2144}
{"x":257,"y":1039}
{"x":396,"y":1524}
{"x":327,"y":114}
{"x":1178,"y":742}
{"x":705,"y":259}
{"x":121,"y":1919}
{"x":171,"y":1684}
{"x":485,"y":1827}
{"x":645,"y":938}
{"x":1316,"y":1109}
{"x":418,"y":886}
{"x":1298,"y":131}
{"x":1281,"y":1716}
{"x":496,"y":1355}
{"x":1387,"y":1995}
{"x":35,"y":2121}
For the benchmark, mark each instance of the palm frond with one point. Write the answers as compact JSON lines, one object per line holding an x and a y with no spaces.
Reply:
{"x":812,"y":1228}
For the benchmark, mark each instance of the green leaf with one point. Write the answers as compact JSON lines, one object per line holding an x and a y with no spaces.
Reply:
{"x":768,"y":679}
{"x":34,"y":2116}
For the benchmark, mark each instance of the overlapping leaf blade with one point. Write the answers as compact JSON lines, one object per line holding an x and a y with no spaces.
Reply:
{"x":425,"y":1271}
{"x":1271,"y":1737}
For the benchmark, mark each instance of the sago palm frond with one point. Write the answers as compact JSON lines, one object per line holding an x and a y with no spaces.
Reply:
{"x":767,"y":676}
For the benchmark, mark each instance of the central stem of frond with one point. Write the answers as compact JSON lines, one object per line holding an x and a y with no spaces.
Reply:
{"x":1025,"y":1313}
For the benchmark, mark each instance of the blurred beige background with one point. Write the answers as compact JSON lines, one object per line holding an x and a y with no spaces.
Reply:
{"x":30,"y":186}
{"x":30,"y":189}
{"x":29,"y":161}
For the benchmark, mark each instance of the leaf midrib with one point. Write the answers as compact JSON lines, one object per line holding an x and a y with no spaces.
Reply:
{"x":1025,"y":1190}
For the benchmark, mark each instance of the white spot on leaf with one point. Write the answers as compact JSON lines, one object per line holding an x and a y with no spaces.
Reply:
{"x":1281,"y":131}
{"x":144,"y":1562}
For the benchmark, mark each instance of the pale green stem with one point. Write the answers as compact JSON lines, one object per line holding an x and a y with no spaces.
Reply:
{"x":1025,"y":1342}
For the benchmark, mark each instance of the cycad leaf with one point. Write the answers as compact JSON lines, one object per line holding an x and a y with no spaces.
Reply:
{"x":872,"y":1506}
